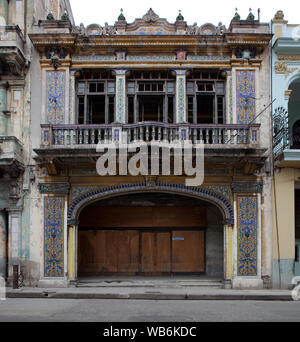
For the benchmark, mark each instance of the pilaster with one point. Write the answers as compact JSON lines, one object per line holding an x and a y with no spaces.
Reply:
{"x":181,"y":110}
{"x":120,"y":109}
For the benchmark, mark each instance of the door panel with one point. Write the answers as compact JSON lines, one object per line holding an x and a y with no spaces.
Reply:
{"x":156,"y":253}
{"x":105,"y":252}
{"x":188,"y":252}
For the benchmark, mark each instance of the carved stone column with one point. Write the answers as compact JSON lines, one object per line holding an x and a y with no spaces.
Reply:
{"x":120,"y":108}
{"x":181,"y":112}
{"x":3,"y":244}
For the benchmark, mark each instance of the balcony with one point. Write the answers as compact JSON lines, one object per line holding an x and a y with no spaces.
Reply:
{"x":11,"y":156}
{"x":88,"y":136}
{"x":231,"y":145}
{"x":12,"y":50}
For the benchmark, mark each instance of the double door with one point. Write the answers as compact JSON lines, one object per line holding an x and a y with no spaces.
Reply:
{"x":144,"y":252}
{"x":172,"y":252}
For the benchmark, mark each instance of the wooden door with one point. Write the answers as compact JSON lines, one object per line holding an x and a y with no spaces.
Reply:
{"x":188,"y":252}
{"x":155,"y":253}
{"x":108,"y":252}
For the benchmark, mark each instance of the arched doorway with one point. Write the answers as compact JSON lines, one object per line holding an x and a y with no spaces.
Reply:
{"x":152,"y":233}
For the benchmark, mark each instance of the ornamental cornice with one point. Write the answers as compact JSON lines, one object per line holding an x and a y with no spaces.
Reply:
{"x":289,"y":57}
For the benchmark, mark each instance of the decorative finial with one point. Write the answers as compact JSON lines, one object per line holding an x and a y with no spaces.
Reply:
{"x":50,"y":16}
{"x":180,"y":17}
{"x":236,"y":16}
{"x":279,"y":15}
{"x":250,"y":16}
{"x":65,"y":15}
{"x":121,"y":16}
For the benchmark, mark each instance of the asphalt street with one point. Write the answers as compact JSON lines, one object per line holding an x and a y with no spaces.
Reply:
{"x":82,"y":310}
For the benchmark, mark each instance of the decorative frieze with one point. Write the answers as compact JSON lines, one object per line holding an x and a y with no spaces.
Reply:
{"x":240,"y":187}
{"x":54,"y":237}
{"x":54,"y":188}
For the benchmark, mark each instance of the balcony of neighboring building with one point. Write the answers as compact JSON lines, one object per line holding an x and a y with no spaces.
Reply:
{"x":12,"y":55}
{"x":287,"y":130}
{"x":11,"y":156}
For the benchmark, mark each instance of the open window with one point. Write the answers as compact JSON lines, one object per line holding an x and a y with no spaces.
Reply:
{"x":96,"y":98}
{"x":205,"y":97}
{"x":151,"y":96}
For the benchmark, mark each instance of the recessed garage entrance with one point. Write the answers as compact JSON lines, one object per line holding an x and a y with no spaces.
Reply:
{"x":150,"y":234}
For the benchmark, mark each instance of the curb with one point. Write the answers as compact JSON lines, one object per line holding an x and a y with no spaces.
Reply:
{"x":148,"y":296}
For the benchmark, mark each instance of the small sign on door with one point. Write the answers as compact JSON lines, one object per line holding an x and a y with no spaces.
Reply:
{"x":178,"y":238}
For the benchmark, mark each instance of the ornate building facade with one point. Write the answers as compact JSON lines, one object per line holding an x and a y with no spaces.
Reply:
{"x":286,"y":123}
{"x":158,"y":82}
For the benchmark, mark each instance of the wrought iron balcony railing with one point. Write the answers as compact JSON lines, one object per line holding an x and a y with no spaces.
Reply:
{"x":64,"y":136}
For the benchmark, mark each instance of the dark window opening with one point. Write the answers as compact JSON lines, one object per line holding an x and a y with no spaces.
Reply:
{"x":111,"y":109}
{"x":151,"y":108}
{"x":96,"y":109}
{"x":205,"y":109}
{"x":130,"y":109}
{"x":190,"y":109}
{"x":220,"y":107}
{"x":170,"y":109}
{"x":296,"y":136}
{"x":81,"y":110}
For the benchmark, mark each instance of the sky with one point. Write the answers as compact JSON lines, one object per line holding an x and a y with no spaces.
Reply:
{"x":209,"y":11}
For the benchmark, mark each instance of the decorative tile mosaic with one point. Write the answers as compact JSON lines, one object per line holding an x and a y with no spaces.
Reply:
{"x":56,"y":83}
{"x":181,"y":96}
{"x":223,"y":190}
{"x":120,"y":96}
{"x":150,"y":58}
{"x":54,"y":237}
{"x":212,"y":193}
{"x":91,"y":58}
{"x":230,"y":99}
{"x":206,"y":58}
{"x":247,"y":235}
{"x":245,"y":96}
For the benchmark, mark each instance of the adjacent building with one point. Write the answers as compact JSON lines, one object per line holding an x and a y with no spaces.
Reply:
{"x":16,"y":97}
{"x":286,"y":123}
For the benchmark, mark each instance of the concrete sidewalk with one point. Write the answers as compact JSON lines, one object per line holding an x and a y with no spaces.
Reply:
{"x":155,"y":293}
